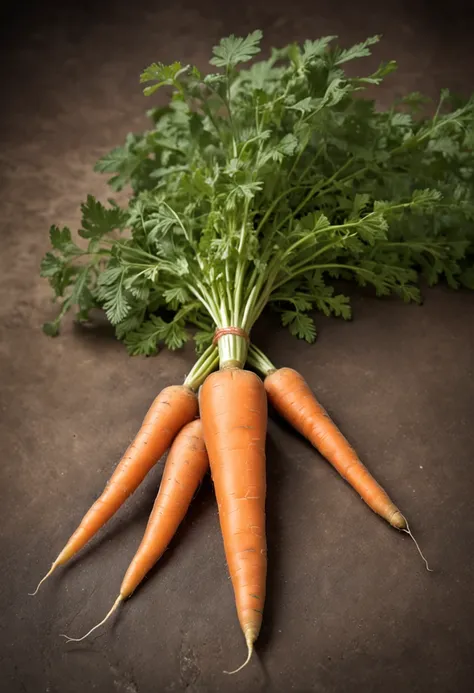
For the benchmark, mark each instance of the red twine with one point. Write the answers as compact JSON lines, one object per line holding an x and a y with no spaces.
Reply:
{"x":238,"y":331}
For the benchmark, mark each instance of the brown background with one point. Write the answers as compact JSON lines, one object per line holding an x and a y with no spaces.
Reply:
{"x":350,"y":606}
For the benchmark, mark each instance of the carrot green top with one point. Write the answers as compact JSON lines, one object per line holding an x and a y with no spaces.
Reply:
{"x":264,"y":185}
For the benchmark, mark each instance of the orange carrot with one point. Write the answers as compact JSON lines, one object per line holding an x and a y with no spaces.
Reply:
{"x":172,"y":409}
{"x":292,"y":398}
{"x":184,"y":470}
{"x":234,"y":419}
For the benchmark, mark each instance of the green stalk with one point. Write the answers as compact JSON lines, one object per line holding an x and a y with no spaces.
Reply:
{"x":311,"y":237}
{"x":275,"y":203}
{"x":232,"y":348}
{"x":204,"y":366}
{"x":232,"y":351}
{"x":206,"y":301}
{"x":259,"y":361}
{"x":317,"y":187}
{"x":331,"y":265}
{"x":246,"y":321}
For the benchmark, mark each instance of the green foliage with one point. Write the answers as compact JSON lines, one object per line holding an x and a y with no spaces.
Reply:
{"x":300,"y":324}
{"x":98,"y":221}
{"x":233,"y":50}
{"x":163,"y":75}
{"x":270,"y":185}
{"x":359,"y":50}
{"x":145,"y":340}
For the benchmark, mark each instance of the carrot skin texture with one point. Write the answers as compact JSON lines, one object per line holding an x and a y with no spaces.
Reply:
{"x":234,"y":418}
{"x":174,"y":407}
{"x":184,"y":470}
{"x":293,"y":399}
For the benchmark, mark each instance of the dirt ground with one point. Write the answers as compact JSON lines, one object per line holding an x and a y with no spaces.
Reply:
{"x":350,"y":606}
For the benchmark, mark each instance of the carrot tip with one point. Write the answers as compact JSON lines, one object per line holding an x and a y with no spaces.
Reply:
{"x":53,"y":567}
{"x":114,"y":606}
{"x":249,"y":639}
{"x":409,"y":532}
{"x":398,"y":521}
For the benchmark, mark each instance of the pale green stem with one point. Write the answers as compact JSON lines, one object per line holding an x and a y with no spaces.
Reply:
{"x":332,"y":265}
{"x":232,"y":351}
{"x":240,"y":269}
{"x":207,"y":363}
{"x":178,"y":219}
{"x":310,"y":236}
{"x":246,"y":322}
{"x":321,"y":251}
{"x":258,"y":360}
{"x":312,"y":193}
{"x":275,"y":204}
{"x":265,"y":295}
{"x":206,"y":301}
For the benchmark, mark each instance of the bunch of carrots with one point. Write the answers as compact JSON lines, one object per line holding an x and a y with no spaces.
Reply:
{"x":255,"y":187}
{"x":213,"y":431}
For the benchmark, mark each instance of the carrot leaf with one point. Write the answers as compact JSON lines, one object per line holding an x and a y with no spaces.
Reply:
{"x":270,"y":184}
{"x":233,"y":50}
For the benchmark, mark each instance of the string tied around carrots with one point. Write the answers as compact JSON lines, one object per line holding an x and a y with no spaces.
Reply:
{"x":236,"y":331}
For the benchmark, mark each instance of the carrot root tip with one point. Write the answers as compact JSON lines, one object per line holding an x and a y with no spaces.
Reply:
{"x":249,"y":639}
{"x":116,"y":603}
{"x":51,"y":570}
{"x":399,"y":521}
{"x":410,"y":534}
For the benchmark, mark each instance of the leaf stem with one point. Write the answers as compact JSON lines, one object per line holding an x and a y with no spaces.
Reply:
{"x":317,"y":187}
{"x":275,"y":204}
{"x":321,"y":251}
{"x":258,"y":360}
{"x":207,"y":302}
{"x":207,"y":363}
{"x":327,"y":266}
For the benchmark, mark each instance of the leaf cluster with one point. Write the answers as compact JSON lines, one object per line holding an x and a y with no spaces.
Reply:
{"x":272,"y":183}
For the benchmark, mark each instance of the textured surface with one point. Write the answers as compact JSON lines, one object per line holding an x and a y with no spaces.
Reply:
{"x":350,"y":606}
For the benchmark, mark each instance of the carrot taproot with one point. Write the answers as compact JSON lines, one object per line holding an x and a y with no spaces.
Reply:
{"x":185,"y":466}
{"x":171,"y":410}
{"x":293,"y":399}
{"x":233,"y":409}
{"x":184,"y":470}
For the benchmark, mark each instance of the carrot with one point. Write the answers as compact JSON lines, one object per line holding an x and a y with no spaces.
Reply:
{"x":292,"y":398}
{"x":171,"y":410}
{"x":184,"y":470}
{"x":234,"y":419}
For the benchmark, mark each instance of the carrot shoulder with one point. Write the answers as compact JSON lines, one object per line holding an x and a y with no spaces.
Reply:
{"x":293,"y":399}
{"x":234,"y":418}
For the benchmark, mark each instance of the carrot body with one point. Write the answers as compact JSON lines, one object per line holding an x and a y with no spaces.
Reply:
{"x":234,"y":419}
{"x":184,"y":470}
{"x":171,"y":410}
{"x":292,"y":398}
